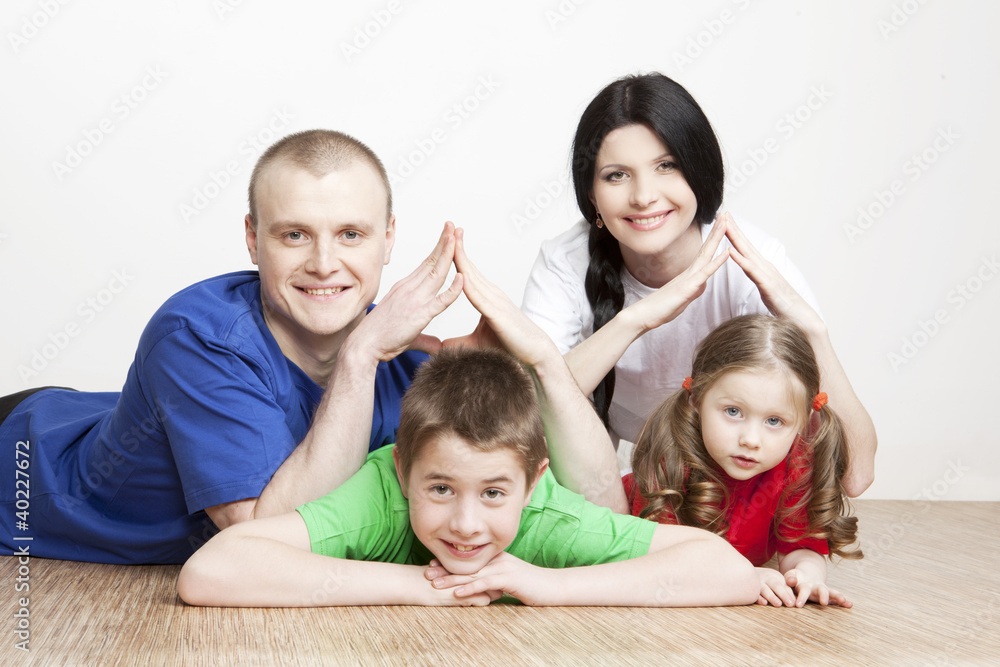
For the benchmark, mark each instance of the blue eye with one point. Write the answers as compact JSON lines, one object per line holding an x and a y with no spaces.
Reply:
{"x":774,"y":421}
{"x":732,"y":412}
{"x":351,"y":235}
{"x":295,"y":236}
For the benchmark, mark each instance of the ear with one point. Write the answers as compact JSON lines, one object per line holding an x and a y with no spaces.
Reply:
{"x":541,"y":469}
{"x":251,"y":236}
{"x":399,"y":473}
{"x":390,"y":238}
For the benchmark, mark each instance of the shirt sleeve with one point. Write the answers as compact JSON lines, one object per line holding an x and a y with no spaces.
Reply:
{"x":365,"y":518}
{"x":554,"y":296}
{"x":227,"y":433}
{"x":560,"y":528}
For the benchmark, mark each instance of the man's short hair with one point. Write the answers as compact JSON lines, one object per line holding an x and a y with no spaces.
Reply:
{"x":483,"y":397}
{"x":319,"y":152}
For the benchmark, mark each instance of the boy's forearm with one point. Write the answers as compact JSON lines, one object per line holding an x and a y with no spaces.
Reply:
{"x":693,"y":573}
{"x":248,"y":571}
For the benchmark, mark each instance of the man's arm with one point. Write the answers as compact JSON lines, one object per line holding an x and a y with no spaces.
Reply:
{"x":337,"y":442}
{"x":685,"y":567}
{"x":268,"y":563}
{"x":580,"y":451}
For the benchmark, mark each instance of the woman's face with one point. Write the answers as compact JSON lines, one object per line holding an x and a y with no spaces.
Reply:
{"x":645,"y":201}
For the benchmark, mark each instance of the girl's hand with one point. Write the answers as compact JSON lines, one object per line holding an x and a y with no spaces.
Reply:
{"x":814,"y":590}
{"x":775,"y":291}
{"x":773,"y":589}
{"x":669,"y":301}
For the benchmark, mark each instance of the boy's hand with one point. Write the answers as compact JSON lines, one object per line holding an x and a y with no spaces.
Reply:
{"x":508,"y":574}
{"x":815,"y":590}
{"x":773,"y":588}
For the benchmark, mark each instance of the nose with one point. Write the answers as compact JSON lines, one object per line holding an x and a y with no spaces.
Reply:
{"x":643,"y":191}
{"x":466,"y":520}
{"x":750,"y":437}
{"x":324,"y":258}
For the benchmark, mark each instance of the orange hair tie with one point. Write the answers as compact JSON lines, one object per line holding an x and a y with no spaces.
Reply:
{"x":819,"y":401}
{"x":687,"y":383}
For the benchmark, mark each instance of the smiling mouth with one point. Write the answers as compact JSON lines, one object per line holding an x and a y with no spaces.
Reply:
{"x":647,"y":221}
{"x":464,"y":548}
{"x":325,"y":291}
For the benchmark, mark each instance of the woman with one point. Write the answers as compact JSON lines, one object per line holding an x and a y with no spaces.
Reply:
{"x":629,"y":291}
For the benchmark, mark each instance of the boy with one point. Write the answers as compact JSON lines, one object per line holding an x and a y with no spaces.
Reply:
{"x":466,"y":510}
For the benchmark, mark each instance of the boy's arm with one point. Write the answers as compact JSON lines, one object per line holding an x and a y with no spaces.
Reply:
{"x":580,"y":451}
{"x":268,"y":563}
{"x":685,"y":567}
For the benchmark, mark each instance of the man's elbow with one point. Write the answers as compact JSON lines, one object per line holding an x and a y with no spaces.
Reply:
{"x":858,"y":482}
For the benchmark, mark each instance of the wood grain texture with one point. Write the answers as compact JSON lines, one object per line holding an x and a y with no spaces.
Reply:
{"x":927,"y":593}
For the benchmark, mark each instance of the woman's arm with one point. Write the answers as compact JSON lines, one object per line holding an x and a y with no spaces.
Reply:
{"x":591,"y":360}
{"x":783,"y":301}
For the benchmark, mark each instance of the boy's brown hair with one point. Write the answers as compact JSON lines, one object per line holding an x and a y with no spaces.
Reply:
{"x":483,"y":397}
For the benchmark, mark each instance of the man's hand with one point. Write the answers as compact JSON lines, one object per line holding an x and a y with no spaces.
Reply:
{"x":396,"y":323}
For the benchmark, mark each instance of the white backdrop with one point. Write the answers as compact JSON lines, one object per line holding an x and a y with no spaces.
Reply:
{"x":862,"y":134}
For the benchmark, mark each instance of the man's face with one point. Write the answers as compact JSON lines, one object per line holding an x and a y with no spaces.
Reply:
{"x":465,"y":504}
{"x":320,"y":245}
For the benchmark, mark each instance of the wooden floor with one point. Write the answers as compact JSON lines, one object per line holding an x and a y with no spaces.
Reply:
{"x":927,"y":593}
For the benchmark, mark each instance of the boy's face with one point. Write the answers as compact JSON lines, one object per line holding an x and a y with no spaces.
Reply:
{"x":465,"y":505}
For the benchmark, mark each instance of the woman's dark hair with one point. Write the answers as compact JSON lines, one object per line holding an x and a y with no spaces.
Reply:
{"x":669,"y":111}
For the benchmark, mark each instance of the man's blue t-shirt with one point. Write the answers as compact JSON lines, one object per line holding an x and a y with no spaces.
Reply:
{"x":209,"y":411}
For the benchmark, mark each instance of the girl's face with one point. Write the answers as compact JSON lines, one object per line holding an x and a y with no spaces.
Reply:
{"x":749,"y":420}
{"x":645,"y":201}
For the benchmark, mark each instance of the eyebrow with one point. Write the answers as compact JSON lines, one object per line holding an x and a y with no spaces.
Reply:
{"x":442,"y":477}
{"x":659,"y":158}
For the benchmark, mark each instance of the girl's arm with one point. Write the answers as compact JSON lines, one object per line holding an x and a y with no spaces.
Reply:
{"x":591,"y":360}
{"x":805,"y":573}
{"x":268,"y":563}
{"x":783,"y":301}
{"x":685,"y":567}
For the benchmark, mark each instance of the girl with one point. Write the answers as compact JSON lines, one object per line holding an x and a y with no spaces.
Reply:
{"x":629,"y":291}
{"x":750,"y":450}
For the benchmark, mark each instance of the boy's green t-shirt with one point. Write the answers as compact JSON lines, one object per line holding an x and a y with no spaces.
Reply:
{"x":368,"y":518}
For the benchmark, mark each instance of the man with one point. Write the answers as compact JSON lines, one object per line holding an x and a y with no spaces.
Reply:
{"x":217,"y":422}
